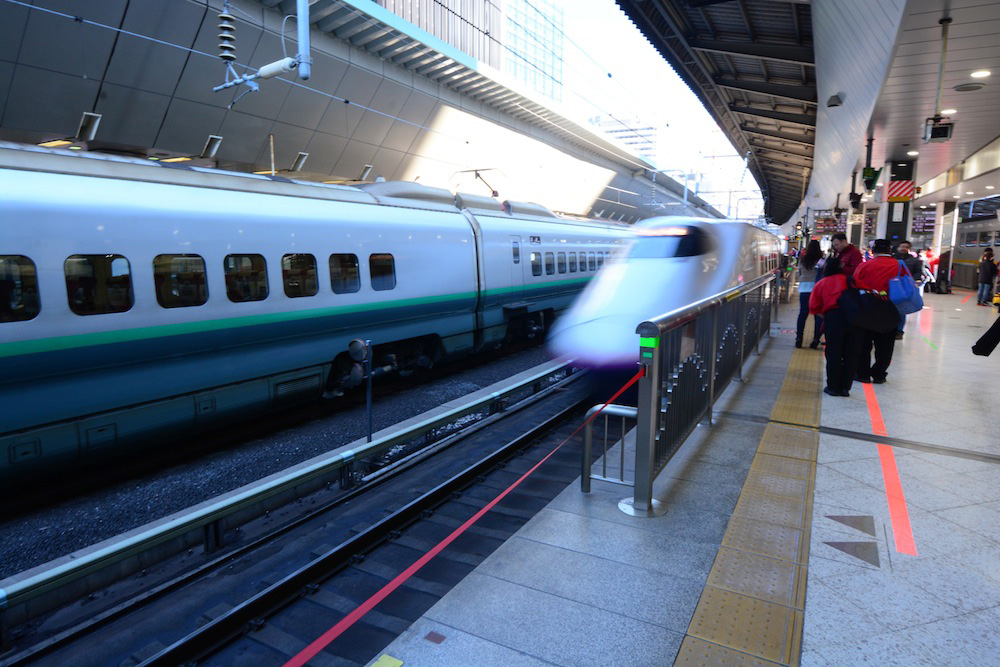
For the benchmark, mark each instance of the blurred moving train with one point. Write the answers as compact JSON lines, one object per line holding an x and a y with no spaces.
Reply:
{"x":140,"y":301}
{"x":672,"y":262}
{"x":972,"y":238}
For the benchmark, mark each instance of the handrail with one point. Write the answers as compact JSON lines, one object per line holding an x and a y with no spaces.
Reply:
{"x":689,"y":356}
{"x":20,"y":591}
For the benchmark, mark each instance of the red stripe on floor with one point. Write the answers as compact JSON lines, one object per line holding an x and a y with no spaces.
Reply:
{"x":327,"y":637}
{"x":898,"y":513}
{"x":966,"y":298}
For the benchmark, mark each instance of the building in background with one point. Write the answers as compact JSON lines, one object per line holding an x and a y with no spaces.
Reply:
{"x":637,"y":134}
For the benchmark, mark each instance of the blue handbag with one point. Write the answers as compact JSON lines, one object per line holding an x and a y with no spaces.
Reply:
{"x":903,"y":292}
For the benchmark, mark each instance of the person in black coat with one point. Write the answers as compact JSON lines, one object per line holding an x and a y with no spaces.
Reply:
{"x":987,"y":274}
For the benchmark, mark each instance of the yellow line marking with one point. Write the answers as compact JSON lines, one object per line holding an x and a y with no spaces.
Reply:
{"x":751,"y":609}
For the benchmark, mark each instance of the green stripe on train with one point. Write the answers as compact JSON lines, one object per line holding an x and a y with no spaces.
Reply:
{"x":143,"y":333}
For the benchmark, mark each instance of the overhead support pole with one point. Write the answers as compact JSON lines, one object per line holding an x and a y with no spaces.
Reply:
{"x":796,"y":55}
{"x":305,"y":52}
{"x":801,"y":94}
{"x":805,"y":120}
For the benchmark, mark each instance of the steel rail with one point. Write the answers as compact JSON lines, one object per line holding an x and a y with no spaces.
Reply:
{"x":251,"y":613}
{"x":17,"y":592}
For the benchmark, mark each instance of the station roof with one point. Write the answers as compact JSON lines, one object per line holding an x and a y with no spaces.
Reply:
{"x":751,"y":63}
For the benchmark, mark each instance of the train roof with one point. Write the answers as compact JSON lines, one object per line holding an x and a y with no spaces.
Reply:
{"x":403,"y":194}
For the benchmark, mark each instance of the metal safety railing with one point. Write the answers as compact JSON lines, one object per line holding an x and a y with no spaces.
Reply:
{"x":689,"y":356}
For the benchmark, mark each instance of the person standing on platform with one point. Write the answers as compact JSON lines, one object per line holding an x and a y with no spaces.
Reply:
{"x":874,"y":276}
{"x":843,"y":341}
{"x":987,"y":274}
{"x":850,"y":257}
{"x":809,"y":268}
{"x":916,"y":268}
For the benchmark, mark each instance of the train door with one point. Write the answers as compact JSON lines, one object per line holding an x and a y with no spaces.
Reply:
{"x":516,"y":265}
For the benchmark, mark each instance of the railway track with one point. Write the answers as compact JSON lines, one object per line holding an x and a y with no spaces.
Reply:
{"x":267,"y":600}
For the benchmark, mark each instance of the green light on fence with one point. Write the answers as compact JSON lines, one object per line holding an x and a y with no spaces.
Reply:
{"x":648,"y":355}
{"x":649,"y":342}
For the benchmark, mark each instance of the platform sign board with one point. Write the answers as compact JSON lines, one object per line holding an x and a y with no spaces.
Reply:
{"x":923,"y":222}
{"x":829,"y":222}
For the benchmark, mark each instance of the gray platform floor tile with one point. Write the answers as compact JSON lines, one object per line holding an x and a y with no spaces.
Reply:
{"x":552,"y":628}
{"x":614,"y":541}
{"x":652,"y":597}
{"x":680,"y":521}
{"x":458,"y":649}
{"x":954,"y":578}
{"x":832,"y":620}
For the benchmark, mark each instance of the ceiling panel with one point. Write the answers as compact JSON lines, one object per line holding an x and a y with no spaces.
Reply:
{"x":289,"y":141}
{"x":48,"y":102}
{"x":131,"y":116}
{"x":12,"y":22}
{"x":324,"y":152}
{"x":187,"y":125}
{"x":386,"y":162}
{"x":354,"y":158}
{"x":6,"y":76}
{"x":248,"y":134}
{"x":147,"y":65}
{"x":57,"y":44}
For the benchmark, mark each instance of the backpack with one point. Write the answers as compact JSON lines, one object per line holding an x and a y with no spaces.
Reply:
{"x":867,"y":310}
{"x":903,"y":292}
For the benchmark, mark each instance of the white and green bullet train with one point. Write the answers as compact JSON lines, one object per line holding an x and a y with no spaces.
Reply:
{"x":140,"y":301}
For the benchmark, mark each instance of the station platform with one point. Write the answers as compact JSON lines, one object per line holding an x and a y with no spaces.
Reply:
{"x":800,"y":529}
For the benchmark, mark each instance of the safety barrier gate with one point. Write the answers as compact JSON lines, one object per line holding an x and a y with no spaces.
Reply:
{"x":689,"y":357}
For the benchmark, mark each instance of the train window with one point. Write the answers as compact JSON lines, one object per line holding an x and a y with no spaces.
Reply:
{"x":561,"y":262}
{"x":515,"y":249}
{"x":180,"y":280}
{"x":536,"y":264}
{"x":18,"y":289}
{"x":246,"y":277}
{"x":600,"y":259}
{"x":383,"y":271}
{"x":572,"y":262}
{"x":298,"y":273}
{"x":550,"y":263}
{"x":985,"y":238}
{"x":345,"y":277}
{"x":673,"y":242}
{"x":97,"y":284}
{"x":592,"y":261}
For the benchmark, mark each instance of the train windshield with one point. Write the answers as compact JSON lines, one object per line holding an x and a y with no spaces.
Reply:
{"x":670,"y":242}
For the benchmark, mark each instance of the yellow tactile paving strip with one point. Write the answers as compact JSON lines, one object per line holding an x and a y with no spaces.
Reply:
{"x":751,"y":610}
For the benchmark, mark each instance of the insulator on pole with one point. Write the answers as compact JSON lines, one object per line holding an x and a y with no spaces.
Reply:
{"x":227,"y":37}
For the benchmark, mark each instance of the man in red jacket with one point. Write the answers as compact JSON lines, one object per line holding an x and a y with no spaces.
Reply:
{"x":874,"y":275}
{"x":850,"y":257}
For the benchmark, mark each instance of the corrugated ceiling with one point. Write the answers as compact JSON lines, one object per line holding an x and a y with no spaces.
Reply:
{"x":751,"y":63}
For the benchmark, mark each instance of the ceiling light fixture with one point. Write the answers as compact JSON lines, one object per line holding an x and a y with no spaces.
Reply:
{"x":980,"y":74}
{"x":949,"y":111}
{"x":956,"y":197}
{"x":88,"y":126}
{"x":211,"y":146}
{"x":912,"y":153}
{"x":969,"y":192}
{"x":55,"y":143}
{"x":989,"y":187}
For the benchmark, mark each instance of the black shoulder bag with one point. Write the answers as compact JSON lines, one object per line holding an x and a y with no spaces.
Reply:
{"x":867,"y":310}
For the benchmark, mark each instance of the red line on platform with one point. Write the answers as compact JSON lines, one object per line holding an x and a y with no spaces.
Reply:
{"x":966,"y":298}
{"x":327,"y":637}
{"x":898,"y":514}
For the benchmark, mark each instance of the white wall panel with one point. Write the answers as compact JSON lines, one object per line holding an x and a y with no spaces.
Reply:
{"x":853,"y":46}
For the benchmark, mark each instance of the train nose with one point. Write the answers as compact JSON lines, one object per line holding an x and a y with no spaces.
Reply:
{"x":601,"y":342}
